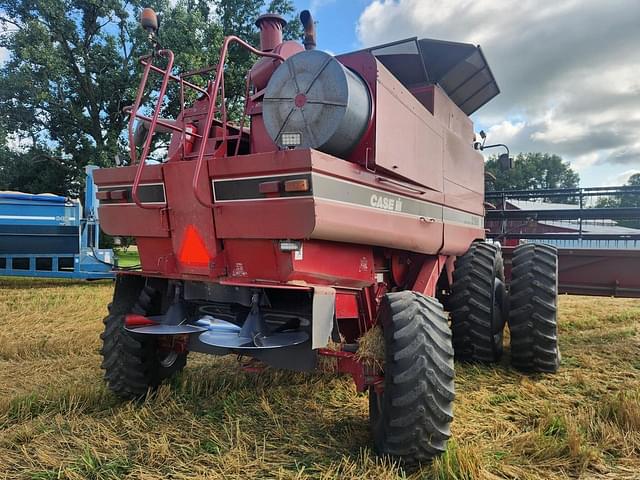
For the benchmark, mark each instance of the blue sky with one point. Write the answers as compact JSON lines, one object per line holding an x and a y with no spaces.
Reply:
{"x":567,"y":69}
{"x":337,"y":21}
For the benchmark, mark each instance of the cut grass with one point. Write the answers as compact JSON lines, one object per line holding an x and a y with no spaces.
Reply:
{"x":128,"y":258}
{"x":57,"y":420}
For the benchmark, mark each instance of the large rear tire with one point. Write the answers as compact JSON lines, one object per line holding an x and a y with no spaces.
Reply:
{"x":533,"y":323}
{"x":478,"y":304}
{"x":410,"y":420}
{"x":134,"y":364}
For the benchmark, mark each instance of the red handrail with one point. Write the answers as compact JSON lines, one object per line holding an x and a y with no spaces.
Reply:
{"x":152,"y":125}
{"x":244,"y":114}
{"x":212,"y":103}
{"x":136,"y":106}
{"x":161,"y":122}
{"x":180,"y":79}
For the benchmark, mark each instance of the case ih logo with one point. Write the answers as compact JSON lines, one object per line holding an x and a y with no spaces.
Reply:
{"x":386,"y":203}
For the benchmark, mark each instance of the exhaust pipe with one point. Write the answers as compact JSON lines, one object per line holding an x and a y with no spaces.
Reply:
{"x":270,"y":25}
{"x":309,"y":41}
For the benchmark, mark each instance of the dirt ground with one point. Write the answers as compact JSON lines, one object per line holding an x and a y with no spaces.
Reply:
{"x":57,"y":420}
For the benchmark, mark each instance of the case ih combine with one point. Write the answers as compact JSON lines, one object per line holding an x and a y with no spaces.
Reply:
{"x":353,"y":200}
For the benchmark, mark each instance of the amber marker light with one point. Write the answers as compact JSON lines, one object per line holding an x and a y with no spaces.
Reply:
{"x":299,"y":185}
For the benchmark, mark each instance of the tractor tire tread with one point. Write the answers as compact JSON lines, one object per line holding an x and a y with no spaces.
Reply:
{"x":533,"y":309}
{"x":419,"y":380}
{"x":471,"y":304}
{"x":130,"y":363}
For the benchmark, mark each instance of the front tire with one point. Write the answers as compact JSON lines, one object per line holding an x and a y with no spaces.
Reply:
{"x":134,"y":364}
{"x":533,"y":309}
{"x":410,"y":420}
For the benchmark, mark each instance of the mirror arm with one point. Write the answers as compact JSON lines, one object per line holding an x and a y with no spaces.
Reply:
{"x":483,"y":146}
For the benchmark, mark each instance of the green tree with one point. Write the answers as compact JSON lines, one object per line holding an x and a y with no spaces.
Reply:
{"x":36,"y":172}
{"x":73,"y":66}
{"x":634,"y":180}
{"x":631,"y":200}
{"x":533,"y":171}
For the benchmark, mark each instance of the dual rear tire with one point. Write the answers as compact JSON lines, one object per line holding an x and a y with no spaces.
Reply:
{"x":480,"y":307}
{"x":478,"y":304}
{"x":533,"y":309}
{"x":410,"y":417}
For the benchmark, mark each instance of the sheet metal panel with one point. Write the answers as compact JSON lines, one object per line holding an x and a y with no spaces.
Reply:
{"x":38,"y":224}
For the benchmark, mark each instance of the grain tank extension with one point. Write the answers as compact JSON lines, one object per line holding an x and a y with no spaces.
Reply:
{"x":347,"y":202}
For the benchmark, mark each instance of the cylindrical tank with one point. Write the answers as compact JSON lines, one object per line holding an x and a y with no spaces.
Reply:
{"x":313,"y":101}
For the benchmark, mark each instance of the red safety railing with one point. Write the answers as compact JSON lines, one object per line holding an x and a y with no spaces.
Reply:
{"x":219,"y":85}
{"x":211,"y":92}
{"x":154,"y":120}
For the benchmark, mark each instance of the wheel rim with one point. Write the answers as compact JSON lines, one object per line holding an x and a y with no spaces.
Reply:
{"x":167,"y":359}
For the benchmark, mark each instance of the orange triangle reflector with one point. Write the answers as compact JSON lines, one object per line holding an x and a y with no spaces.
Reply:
{"x":193,"y":250}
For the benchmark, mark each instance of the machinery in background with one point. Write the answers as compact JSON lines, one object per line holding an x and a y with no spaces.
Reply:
{"x":596,"y":231}
{"x":52,"y":236}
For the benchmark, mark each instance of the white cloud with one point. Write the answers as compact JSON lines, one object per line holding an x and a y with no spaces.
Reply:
{"x":557,"y":129}
{"x":506,"y":130}
{"x":621,"y":178}
{"x":567,"y":69}
{"x":583,"y":162}
{"x":626,"y":154}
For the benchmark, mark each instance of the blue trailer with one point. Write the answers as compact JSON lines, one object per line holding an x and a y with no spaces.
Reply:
{"x":50,"y":236}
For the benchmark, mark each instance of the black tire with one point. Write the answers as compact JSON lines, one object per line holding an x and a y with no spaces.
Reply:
{"x":533,"y":308}
{"x":410,"y":420}
{"x":478,"y":304}
{"x":132,"y":363}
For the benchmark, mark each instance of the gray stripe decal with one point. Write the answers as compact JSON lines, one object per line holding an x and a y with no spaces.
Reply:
{"x":343,"y":191}
{"x":339,"y":190}
{"x":333,"y":189}
{"x":457,"y":216}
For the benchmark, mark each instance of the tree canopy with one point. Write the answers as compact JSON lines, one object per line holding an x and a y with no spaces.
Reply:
{"x":630,"y":200}
{"x":533,"y":171}
{"x":72,"y":67}
{"x":634,"y":180}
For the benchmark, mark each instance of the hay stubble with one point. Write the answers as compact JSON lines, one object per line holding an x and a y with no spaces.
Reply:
{"x":57,"y":420}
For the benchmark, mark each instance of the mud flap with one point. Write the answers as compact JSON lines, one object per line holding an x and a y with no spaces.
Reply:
{"x":324,"y":307}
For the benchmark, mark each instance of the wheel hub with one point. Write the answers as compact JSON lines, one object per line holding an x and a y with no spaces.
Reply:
{"x":167,"y":359}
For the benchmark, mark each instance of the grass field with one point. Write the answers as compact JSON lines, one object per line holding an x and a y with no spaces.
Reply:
{"x":57,"y":420}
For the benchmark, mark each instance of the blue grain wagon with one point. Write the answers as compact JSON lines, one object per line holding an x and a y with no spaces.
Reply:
{"x":52,"y":236}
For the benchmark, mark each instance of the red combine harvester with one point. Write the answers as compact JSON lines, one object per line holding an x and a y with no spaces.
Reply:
{"x":353,"y":201}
